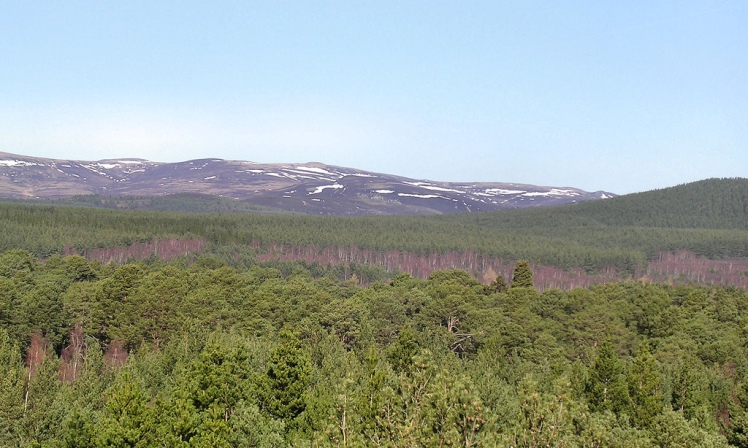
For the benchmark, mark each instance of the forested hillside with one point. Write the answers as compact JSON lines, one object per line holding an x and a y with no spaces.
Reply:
{"x":707,"y":218}
{"x":169,"y":354}
{"x":707,"y":204}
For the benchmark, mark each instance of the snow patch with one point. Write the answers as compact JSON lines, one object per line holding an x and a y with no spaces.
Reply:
{"x":552,"y":192}
{"x":422,"y":196}
{"x":431,"y":187}
{"x":19,"y":163}
{"x":93,"y":167}
{"x":563,"y":192}
{"x":323,"y":187}
{"x":209,"y":177}
{"x":315,"y":170}
{"x":384,"y":191}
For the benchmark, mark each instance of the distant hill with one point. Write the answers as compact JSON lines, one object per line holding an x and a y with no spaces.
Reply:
{"x":707,"y":204}
{"x":309,"y":188}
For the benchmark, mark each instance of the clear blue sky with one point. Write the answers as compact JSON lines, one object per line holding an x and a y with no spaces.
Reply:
{"x":621,"y":96}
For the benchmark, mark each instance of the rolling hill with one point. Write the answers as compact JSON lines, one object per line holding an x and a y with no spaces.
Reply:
{"x":309,"y":188}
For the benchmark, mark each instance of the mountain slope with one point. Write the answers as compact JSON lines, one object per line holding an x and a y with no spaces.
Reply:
{"x":310,"y":188}
{"x":706,"y":204}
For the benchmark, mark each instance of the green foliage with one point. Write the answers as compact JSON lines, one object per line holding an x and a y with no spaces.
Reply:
{"x":177,"y":355}
{"x":522,"y":275}
{"x":606,"y":387}
{"x":11,"y":389}
{"x":644,"y":388}
{"x":127,"y":420}
{"x":498,"y":285}
{"x":708,"y":218}
{"x":282,"y":388}
{"x":401,"y":353}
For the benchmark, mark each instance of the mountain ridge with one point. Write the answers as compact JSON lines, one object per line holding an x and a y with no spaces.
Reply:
{"x":311,"y":188}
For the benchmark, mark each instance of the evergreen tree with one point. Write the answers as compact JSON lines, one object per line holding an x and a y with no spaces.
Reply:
{"x":128,"y":420}
{"x":644,"y":388}
{"x":401,"y":353}
{"x":11,"y":390}
{"x":286,"y":378}
{"x":522,"y":275}
{"x":606,"y":388}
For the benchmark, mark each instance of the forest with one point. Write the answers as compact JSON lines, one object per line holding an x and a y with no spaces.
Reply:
{"x":228,"y":346}
{"x":708,"y":218}
{"x":207,"y":355}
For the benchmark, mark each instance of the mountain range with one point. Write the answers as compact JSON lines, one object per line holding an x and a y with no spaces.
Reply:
{"x":310,"y":188}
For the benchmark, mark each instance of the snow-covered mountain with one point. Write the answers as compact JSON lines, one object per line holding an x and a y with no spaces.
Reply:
{"x":307,"y":187}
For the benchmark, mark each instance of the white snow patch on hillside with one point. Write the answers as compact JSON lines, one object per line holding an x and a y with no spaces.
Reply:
{"x":321,"y":188}
{"x":19,"y":163}
{"x":563,"y":192}
{"x":93,"y":167}
{"x":552,"y":192}
{"x":422,"y":196}
{"x":315,"y":170}
{"x":384,"y":191}
{"x":431,"y":187}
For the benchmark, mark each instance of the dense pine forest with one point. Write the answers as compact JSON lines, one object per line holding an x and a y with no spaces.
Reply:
{"x":227,"y":347}
{"x":171,"y":354}
{"x":708,"y":218}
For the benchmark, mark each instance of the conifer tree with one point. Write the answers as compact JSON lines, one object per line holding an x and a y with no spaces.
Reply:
{"x":401,"y":353}
{"x":11,"y":389}
{"x":644,"y":388}
{"x":286,"y":378}
{"x":127,"y":419}
{"x":606,"y":388}
{"x":522,"y":275}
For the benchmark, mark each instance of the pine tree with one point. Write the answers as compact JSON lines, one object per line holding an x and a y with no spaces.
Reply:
{"x":401,"y":353}
{"x":522,"y":275}
{"x":286,"y":378}
{"x":127,"y":420}
{"x":644,"y":388}
{"x":606,"y":388}
{"x":11,"y":390}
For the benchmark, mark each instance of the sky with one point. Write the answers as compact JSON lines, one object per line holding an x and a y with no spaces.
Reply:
{"x":599,"y":95}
